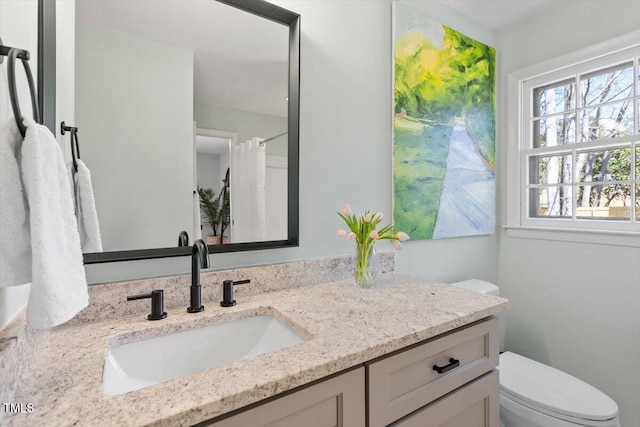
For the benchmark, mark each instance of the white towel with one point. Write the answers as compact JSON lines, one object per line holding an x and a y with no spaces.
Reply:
{"x":197,"y":228}
{"x":59,"y":286}
{"x":15,"y":235}
{"x":87,"y":215}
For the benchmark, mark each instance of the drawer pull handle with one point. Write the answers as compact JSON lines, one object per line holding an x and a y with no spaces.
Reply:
{"x":452,"y":365}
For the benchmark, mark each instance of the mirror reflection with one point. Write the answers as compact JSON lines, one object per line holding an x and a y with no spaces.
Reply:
{"x":181,"y":110}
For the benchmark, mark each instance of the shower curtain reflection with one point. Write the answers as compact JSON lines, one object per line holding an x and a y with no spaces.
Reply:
{"x":248,"y":179}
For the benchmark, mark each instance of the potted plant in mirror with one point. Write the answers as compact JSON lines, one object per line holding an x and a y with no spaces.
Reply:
{"x":216,"y":209}
{"x":210,"y":207}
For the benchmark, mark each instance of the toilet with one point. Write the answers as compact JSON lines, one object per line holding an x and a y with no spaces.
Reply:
{"x":536,"y":395}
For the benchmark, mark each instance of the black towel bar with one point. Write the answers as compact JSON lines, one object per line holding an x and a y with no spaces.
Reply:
{"x":22,"y":54}
{"x":12,"y":53}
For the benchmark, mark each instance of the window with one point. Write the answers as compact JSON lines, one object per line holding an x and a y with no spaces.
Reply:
{"x":579,"y":145}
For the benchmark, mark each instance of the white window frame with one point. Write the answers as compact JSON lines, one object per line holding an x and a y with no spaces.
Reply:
{"x":519,"y":223}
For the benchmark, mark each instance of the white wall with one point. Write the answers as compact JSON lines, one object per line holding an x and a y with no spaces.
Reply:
{"x":208,"y":168}
{"x":224,"y":165}
{"x":276,"y":198}
{"x":345,"y":145}
{"x":345,"y":133}
{"x":65,"y":74}
{"x":139,"y":148}
{"x":246,"y":124}
{"x":19,"y":24}
{"x":573,"y":306}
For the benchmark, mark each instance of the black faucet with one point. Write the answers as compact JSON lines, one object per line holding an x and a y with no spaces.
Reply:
{"x":199,"y":259}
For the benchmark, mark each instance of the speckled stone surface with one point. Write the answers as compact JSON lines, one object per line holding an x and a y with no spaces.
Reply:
{"x":345,"y":326}
{"x":19,"y":346}
{"x":109,"y":301}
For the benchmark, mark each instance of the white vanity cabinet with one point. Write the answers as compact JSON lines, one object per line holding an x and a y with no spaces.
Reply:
{"x":338,"y":401}
{"x":406,"y":381}
{"x":473,"y":405}
{"x":401,"y":389}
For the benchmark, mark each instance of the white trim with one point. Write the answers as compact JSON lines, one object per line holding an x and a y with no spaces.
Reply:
{"x":392,"y":137}
{"x":514,"y":142}
{"x":592,"y":224}
{"x":612,"y":238}
{"x":518,"y":150}
{"x":581,"y":147}
{"x":233,"y":136}
{"x":276,"y":162}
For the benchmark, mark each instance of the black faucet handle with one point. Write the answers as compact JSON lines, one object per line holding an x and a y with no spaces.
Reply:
{"x":157,"y":303}
{"x":183,"y":238}
{"x":227,"y":292}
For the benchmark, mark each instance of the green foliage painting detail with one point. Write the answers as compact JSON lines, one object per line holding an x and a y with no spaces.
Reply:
{"x":437,"y":82}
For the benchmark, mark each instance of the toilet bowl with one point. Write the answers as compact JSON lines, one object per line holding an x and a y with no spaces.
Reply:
{"x":536,"y":395}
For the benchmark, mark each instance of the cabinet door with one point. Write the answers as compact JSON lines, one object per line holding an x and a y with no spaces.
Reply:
{"x":407,"y":381}
{"x":336,"y":402}
{"x":474,"y":405}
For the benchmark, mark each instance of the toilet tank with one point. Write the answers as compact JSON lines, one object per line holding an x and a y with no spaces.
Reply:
{"x":478,"y":286}
{"x":485,"y":288}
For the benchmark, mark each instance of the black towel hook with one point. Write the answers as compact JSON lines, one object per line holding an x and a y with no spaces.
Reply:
{"x":12,"y":54}
{"x":75,"y":145}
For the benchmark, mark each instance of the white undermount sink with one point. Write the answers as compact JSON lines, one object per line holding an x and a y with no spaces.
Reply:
{"x":152,"y":361}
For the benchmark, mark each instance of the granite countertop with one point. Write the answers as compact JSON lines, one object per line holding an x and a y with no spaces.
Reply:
{"x":345,"y":326}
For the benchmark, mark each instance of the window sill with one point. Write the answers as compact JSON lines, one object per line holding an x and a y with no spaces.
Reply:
{"x":613,"y":238}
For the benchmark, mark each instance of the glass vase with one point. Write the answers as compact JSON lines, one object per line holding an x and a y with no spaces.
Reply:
{"x":365,"y":265}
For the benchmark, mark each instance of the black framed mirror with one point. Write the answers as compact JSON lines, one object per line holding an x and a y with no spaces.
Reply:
{"x":265,"y":12}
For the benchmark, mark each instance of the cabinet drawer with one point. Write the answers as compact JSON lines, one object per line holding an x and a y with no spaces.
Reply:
{"x":476,"y":404}
{"x":402,"y":383}
{"x":337,"y":402}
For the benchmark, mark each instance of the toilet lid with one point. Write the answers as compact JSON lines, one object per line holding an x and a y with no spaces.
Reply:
{"x":552,"y":391}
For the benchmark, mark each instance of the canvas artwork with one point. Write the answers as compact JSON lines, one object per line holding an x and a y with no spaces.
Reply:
{"x":443,"y":129}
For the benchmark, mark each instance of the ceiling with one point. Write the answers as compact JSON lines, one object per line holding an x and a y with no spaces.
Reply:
{"x":498,"y":14}
{"x":240,"y":59}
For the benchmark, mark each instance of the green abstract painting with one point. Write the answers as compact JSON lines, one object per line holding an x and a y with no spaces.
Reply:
{"x":443,"y":129}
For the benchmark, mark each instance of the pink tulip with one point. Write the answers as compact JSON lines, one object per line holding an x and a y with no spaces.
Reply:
{"x":396,"y":244}
{"x":366,"y":218}
{"x":402,"y":236}
{"x":351,"y":236}
{"x":341,"y":233}
{"x":373,"y":234}
{"x":346,"y":210}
